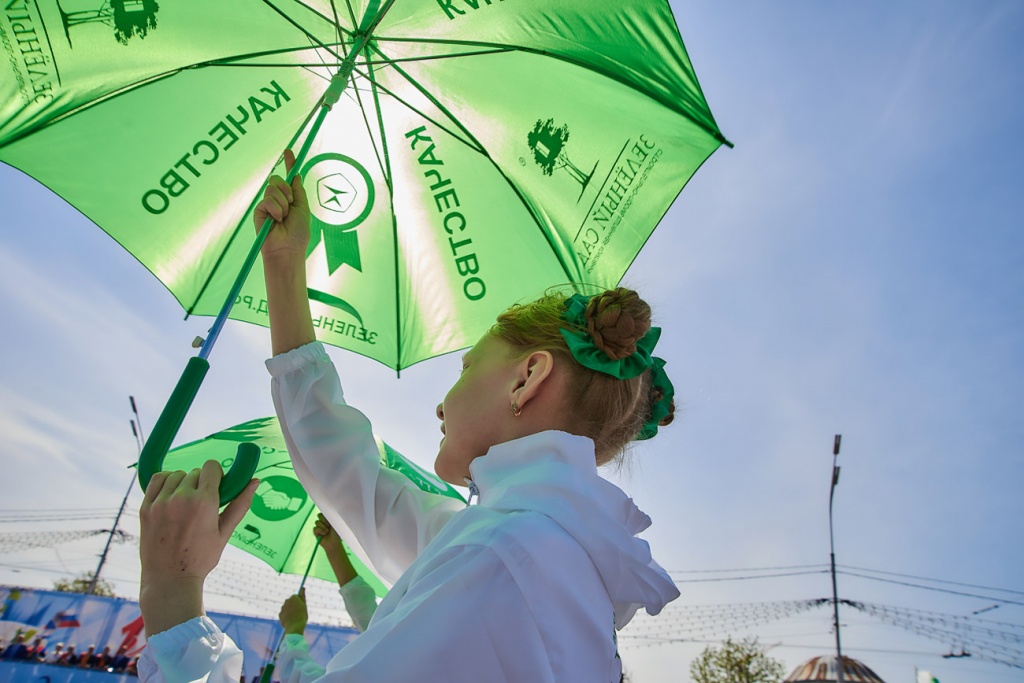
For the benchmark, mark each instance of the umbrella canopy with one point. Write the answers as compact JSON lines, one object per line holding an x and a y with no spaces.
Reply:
{"x":278,"y":528}
{"x":480,"y":151}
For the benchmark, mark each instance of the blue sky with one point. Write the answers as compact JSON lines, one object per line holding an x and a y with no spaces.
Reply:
{"x":855,"y":265}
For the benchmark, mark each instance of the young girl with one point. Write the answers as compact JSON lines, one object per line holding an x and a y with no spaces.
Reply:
{"x":530,"y":584}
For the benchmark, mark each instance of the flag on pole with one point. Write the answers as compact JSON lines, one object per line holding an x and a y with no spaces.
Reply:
{"x":926,"y":677}
{"x":63,"y":620}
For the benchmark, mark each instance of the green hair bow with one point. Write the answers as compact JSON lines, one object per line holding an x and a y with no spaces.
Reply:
{"x":585,"y":351}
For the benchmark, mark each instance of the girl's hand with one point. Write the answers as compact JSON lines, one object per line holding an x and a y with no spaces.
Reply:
{"x":293,"y":615}
{"x":289,"y":209}
{"x":322,"y":529}
{"x":182,"y":539}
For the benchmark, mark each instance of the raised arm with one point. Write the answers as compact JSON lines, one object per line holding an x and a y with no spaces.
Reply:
{"x":284,"y":260}
{"x":360,"y":600}
{"x":334,"y":549}
{"x":331,"y":444}
{"x":182,"y":538}
{"x":379,"y":513}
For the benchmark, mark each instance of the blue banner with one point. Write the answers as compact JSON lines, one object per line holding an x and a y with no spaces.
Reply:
{"x":21,"y":672}
{"x":78,"y":620}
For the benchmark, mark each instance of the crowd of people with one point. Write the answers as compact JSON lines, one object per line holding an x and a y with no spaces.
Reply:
{"x":104,"y":660}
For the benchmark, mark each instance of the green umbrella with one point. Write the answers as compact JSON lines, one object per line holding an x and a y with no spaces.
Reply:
{"x":459,"y":155}
{"x":278,"y":528}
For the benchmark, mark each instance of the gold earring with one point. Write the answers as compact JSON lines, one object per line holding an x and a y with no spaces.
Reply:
{"x":516,"y":410}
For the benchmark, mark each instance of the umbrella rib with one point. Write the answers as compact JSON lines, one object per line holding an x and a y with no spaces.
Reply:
{"x":369,"y":132}
{"x":125,"y":89}
{"x":302,"y":28}
{"x":231,"y":61}
{"x":444,"y":110}
{"x":425,"y":116}
{"x":295,"y":541}
{"x":326,"y":18}
{"x":351,"y":12}
{"x":337,"y":24}
{"x":394,"y":220}
{"x":700,"y":91}
{"x":711,"y":130}
{"x":398,"y":60}
{"x":323,"y":62}
{"x":243,"y":220}
{"x":480,"y":148}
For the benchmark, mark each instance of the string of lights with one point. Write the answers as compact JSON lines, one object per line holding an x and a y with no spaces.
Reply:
{"x":696,"y":622}
{"x":260,"y":587}
{"x":975,"y":637}
{"x":25,"y":540}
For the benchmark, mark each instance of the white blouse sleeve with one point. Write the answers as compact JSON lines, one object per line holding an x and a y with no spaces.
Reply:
{"x":381,"y":514}
{"x":360,"y":601}
{"x":294,"y":663}
{"x":193,"y":652}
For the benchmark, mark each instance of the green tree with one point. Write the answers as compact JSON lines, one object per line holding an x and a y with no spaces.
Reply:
{"x":548,"y":144}
{"x":133,"y":18}
{"x":736,"y":662}
{"x":81,"y":583}
{"x":129,"y":18}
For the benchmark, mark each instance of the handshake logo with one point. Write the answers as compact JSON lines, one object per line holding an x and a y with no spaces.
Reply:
{"x":278,"y":498}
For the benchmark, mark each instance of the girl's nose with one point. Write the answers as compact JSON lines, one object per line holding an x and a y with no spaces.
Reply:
{"x":439,"y":411}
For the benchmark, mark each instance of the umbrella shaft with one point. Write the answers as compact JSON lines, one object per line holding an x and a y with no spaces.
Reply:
{"x":250,"y":259}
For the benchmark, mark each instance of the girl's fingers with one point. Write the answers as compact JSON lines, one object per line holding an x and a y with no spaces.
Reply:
{"x":275,"y":203}
{"x":289,"y":159}
{"x":171,"y":484}
{"x":210,"y":476}
{"x":156,"y":483}
{"x":191,"y":480}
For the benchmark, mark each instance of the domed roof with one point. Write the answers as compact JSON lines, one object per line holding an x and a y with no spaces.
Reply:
{"x":823,"y":670}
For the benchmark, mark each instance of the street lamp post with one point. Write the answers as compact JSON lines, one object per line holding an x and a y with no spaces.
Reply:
{"x":139,"y":440}
{"x":832,"y":544}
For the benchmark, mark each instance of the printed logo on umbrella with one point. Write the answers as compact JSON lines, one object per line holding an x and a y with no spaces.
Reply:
{"x":129,"y":18}
{"x":278,"y":498}
{"x":341,"y":197}
{"x":548,"y":144}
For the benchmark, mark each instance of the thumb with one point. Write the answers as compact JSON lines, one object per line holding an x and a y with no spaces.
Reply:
{"x":237,"y":508}
{"x":302,"y":593}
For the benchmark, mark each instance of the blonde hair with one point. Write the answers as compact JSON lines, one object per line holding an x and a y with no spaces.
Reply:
{"x":609,"y":410}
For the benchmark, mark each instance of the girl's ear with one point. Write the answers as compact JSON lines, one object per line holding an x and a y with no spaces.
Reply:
{"x":532,"y":376}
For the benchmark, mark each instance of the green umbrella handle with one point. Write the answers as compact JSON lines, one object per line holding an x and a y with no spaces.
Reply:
{"x":151,"y":460}
{"x":268,"y":671}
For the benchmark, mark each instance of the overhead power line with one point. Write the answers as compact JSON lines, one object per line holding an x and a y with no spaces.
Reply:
{"x":936,"y":589}
{"x":925,"y":578}
{"x":750,"y":578}
{"x":749,"y":569}
{"x":859,"y":572}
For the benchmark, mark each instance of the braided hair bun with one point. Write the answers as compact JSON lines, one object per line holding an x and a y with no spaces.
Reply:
{"x":617,"y":320}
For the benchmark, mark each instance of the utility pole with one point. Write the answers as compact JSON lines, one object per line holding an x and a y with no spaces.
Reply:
{"x":832,"y":544}
{"x":139,"y":441}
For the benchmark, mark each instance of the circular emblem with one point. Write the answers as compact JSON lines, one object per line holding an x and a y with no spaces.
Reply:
{"x":278,"y":498}
{"x":340,"y":190}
